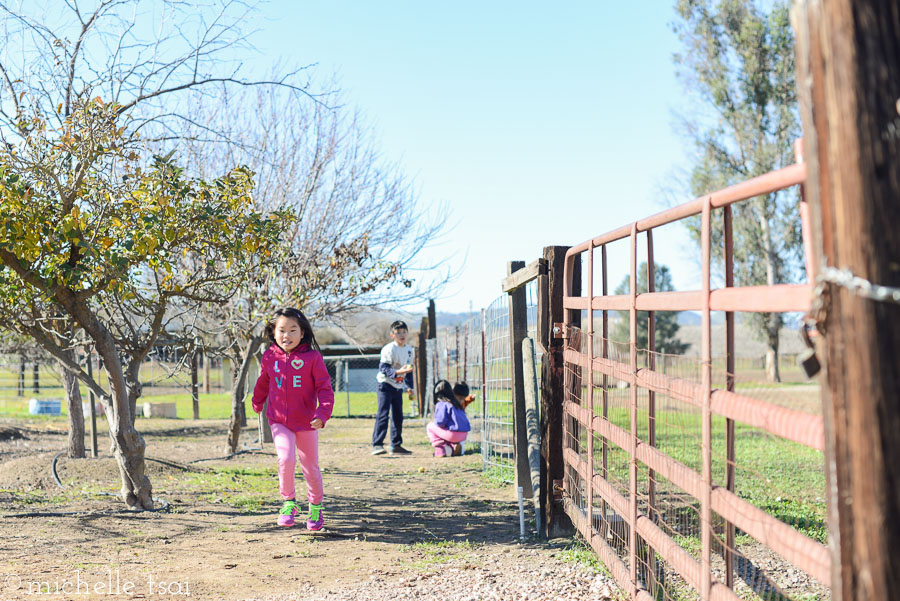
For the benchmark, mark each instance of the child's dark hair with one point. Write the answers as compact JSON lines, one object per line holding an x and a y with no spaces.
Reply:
{"x":461,"y":389}
{"x":399,"y":325}
{"x":443,"y":391}
{"x":298,"y":316}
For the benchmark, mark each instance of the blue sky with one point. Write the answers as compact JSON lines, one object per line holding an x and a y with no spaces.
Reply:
{"x":537,"y":124}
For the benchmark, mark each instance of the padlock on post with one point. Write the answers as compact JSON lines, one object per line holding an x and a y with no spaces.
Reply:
{"x":808,"y":359}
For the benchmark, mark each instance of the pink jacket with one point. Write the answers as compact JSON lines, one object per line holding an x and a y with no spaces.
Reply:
{"x":297,"y":385}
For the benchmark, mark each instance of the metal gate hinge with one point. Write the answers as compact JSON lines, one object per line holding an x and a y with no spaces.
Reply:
{"x":559,"y":330}
{"x":558,"y":489}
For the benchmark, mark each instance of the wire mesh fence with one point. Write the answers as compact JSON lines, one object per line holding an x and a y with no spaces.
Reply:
{"x":498,"y":450}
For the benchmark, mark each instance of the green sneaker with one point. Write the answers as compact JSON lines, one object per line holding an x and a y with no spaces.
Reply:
{"x":316,"y":519}
{"x":287,"y":513}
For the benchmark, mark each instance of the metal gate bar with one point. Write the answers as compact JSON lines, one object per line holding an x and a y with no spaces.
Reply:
{"x":645,"y":539}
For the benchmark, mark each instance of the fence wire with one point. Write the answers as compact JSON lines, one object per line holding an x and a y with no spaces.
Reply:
{"x":497,"y":452}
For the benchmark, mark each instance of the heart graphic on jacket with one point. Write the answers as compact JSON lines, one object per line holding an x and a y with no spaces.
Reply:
{"x":297,"y":363}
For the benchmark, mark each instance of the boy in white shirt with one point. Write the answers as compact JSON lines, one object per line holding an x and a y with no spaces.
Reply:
{"x":394,"y":376}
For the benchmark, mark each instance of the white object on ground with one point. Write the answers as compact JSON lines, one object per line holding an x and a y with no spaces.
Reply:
{"x":521,"y":514}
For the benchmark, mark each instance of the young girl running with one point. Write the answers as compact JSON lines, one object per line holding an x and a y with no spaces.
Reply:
{"x":450,"y":426}
{"x":294,"y":379}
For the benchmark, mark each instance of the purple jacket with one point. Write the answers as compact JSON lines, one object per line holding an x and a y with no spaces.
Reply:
{"x":297,"y":385}
{"x":450,"y":418}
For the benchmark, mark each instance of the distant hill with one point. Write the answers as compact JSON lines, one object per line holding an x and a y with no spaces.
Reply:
{"x":688,"y":318}
{"x":448,"y":320}
{"x":693,"y":318}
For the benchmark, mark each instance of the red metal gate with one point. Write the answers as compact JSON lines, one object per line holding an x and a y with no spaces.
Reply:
{"x":633,"y":523}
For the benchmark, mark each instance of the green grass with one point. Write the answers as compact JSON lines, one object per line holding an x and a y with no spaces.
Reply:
{"x":578,"y":552}
{"x":783,"y":478}
{"x":248,"y":489}
{"x":38,"y":497}
{"x":498,"y":476}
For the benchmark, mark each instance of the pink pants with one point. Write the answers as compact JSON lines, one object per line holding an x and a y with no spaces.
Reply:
{"x":440,"y":437}
{"x":307,"y":445}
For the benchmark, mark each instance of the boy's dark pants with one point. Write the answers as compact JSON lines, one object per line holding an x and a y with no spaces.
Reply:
{"x":390,"y":400}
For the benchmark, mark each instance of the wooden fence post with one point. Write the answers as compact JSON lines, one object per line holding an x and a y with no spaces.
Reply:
{"x":195,"y":387}
{"x":21,"y":387}
{"x":226,"y":374}
{"x":550,"y":310}
{"x":518,"y":327}
{"x":422,"y":365}
{"x":207,"y":385}
{"x":533,"y":425}
{"x":848,"y":73}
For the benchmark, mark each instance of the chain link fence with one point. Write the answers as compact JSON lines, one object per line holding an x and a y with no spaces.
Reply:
{"x":353,"y":378}
{"x":24,"y":377}
{"x":163,"y":375}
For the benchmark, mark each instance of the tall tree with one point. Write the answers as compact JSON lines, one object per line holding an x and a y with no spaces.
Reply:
{"x":92,"y":226}
{"x":665,"y":322}
{"x":358,"y":230}
{"x":738,"y":59}
{"x":80,"y":250}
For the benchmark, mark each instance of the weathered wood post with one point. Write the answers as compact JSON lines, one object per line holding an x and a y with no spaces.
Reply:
{"x":518,"y":327}
{"x":533,"y":426}
{"x":226,"y":374}
{"x":195,"y":387}
{"x":848,"y":73}
{"x":556,"y":522}
{"x":422,"y":365}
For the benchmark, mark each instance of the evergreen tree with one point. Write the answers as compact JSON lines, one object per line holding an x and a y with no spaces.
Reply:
{"x":667,"y":341}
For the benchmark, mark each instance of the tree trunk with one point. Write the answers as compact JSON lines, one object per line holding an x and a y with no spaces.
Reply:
{"x":128,"y":444}
{"x":242,"y":408}
{"x":76,"y":415}
{"x":237,"y":394}
{"x":134,"y":388}
{"x":773,"y":320}
{"x":773,"y":372}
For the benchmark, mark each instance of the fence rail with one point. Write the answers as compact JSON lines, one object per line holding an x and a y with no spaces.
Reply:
{"x":649,"y":452}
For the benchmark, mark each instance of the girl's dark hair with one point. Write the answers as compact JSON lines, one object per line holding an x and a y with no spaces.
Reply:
{"x":461,"y":388}
{"x":443,"y":391}
{"x":298,"y":316}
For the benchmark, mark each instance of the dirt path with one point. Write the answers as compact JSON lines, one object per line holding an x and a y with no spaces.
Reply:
{"x":396,"y":526}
